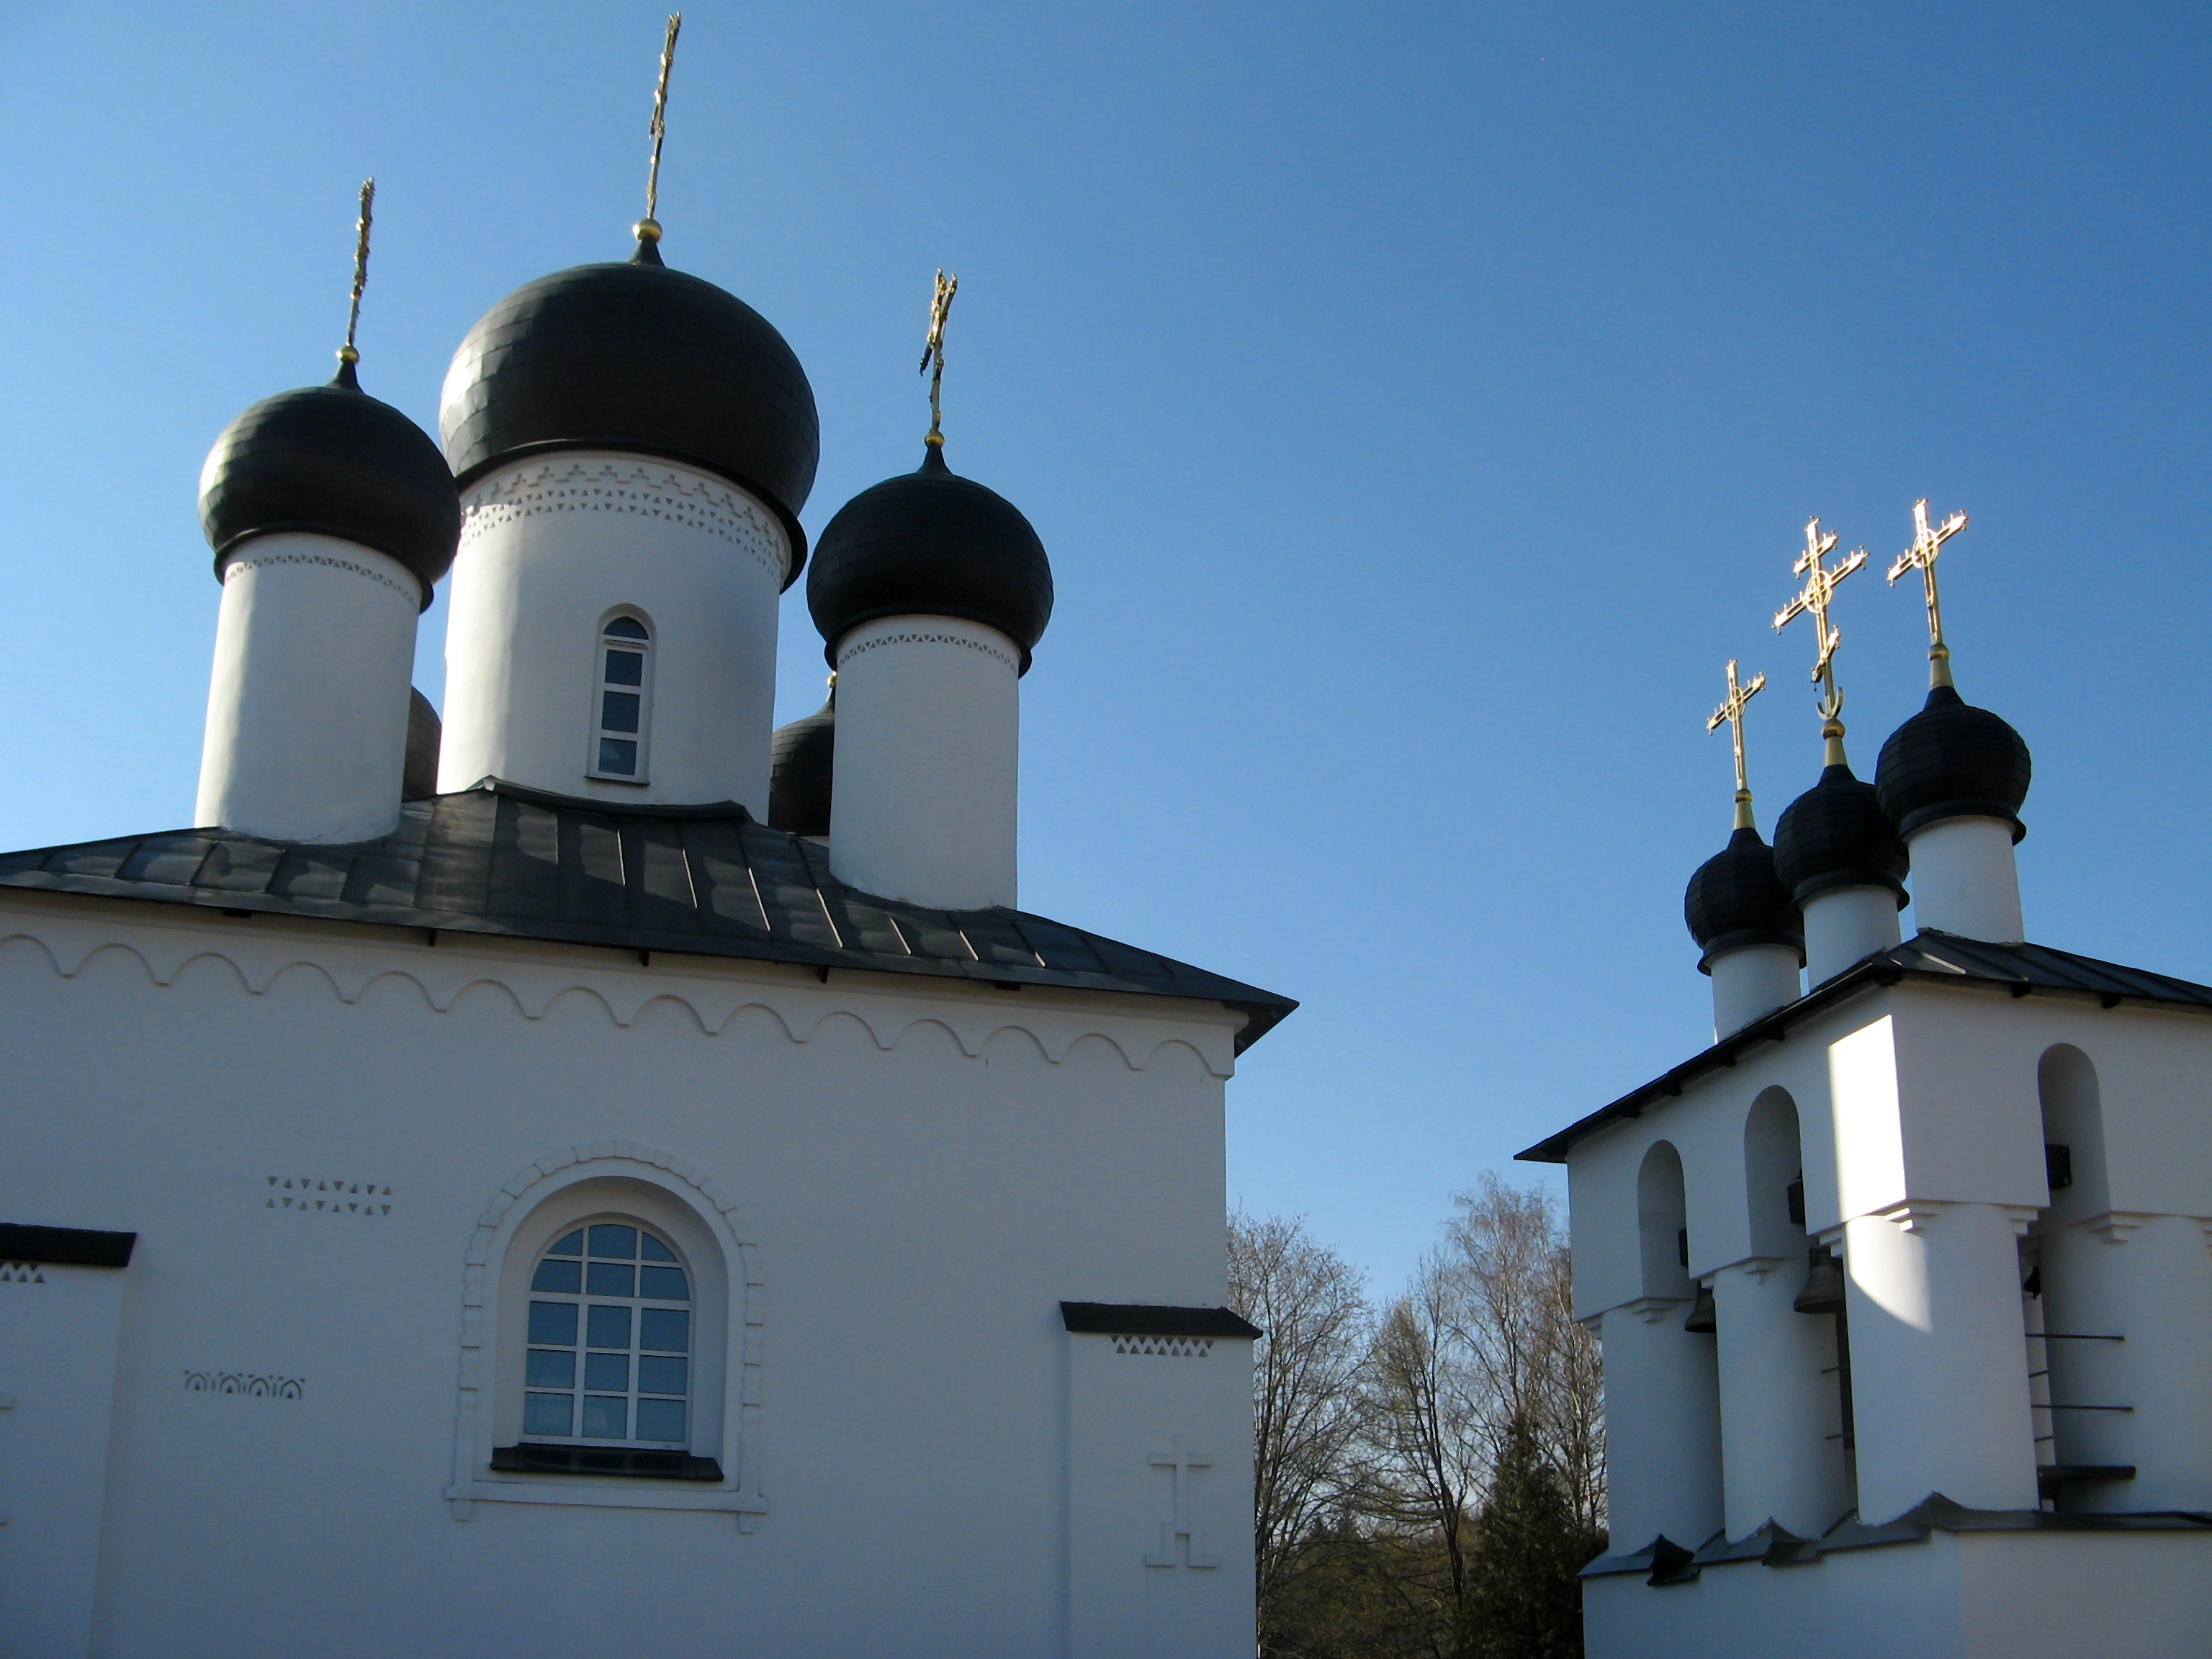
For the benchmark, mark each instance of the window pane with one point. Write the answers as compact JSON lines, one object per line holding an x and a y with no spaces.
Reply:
{"x":657,"y":1374}
{"x":660,"y":1419}
{"x":661,"y":1284}
{"x":615,"y":1278}
{"x":652,"y":1250}
{"x":552,"y":1368}
{"x":608,"y":1327}
{"x":605,"y":1419}
{"x":615,"y":1243}
{"x":547,"y":1413}
{"x":561,"y":1276}
{"x":663,"y":1330}
{"x":618,"y":711}
{"x":618,"y":757}
{"x":572,"y":1245}
{"x":554,"y":1323}
{"x":628,"y":628}
{"x":625,"y":668}
{"x":606,"y":1371}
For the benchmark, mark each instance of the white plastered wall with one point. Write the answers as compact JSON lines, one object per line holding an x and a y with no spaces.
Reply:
{"x":307,"y":720}
{"x":550,"y":548}
{"x":918,"y":1173}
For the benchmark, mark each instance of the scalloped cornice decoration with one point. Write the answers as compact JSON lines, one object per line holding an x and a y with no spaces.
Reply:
{"x":166,"y":946}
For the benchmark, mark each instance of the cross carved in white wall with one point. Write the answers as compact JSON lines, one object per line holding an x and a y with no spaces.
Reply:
{"x":1183,"y":1462}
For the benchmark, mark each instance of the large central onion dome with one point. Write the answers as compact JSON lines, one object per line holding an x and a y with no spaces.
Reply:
{"x":1735,"y":900}
{"x":933,"y":543}
{"x":331,"y":461}
{"x":1834,"y":835}
{"x":1951,"y":761}
{"x":642,"y":358}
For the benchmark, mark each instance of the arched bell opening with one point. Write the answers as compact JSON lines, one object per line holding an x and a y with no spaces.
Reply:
{"x":2077,"y":1369}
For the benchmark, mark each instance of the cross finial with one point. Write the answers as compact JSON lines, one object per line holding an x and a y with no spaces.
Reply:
{"x":1927,"y":542}
{"x":933,"y":353}
{"x":1731,"y":711}
{"x":648,"y":228}
{"x":1820,"y":585}
{"x":347,"y":356}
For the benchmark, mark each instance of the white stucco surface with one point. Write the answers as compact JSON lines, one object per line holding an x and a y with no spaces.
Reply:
{"x":1965,"y":879}
{"x":329,"y":1141}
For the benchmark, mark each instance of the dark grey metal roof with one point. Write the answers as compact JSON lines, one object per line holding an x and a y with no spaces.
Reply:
{"x":1928,"y":959}
{"x":1149,"y":1319}
{"x":707,"y":880}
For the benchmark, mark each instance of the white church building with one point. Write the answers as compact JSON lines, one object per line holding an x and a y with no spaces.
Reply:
{"x":1903,"y":1284}
{"x":604,"y":1176}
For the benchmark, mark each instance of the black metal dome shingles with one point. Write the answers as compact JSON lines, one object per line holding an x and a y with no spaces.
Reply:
{"x":1736,"y":899}
{"x":1835,"y":836}
{"x":931,"y":543}
{"x":801,"y":761}
{"x":1952,"y":760}
{"x":331,"y":461}
{"x":636,"y":357}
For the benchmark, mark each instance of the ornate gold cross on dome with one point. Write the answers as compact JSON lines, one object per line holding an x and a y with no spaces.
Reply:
{"x":1739,"y":698}
{"x":347,"y":355}
{"x":1820,"y":585}
{"x":933,"y":352}
{"x":1927,"y":542}
{"x":648,"y":228}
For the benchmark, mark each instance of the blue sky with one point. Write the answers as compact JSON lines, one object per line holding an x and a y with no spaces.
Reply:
{"x":1421,"y":404}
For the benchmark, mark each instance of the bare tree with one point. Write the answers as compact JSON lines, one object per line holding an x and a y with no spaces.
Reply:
{"x":1530,"y":1368}
{"x":1310,"y":1304}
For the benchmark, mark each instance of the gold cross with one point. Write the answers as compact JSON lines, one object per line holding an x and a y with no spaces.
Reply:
{"x":659,"y":130}
{"x":933,"y":352}
{"x":1739,"y":698}
{"x":1821,"y":586}
{"x":347,"y":355}
{"x":1927,"y":542}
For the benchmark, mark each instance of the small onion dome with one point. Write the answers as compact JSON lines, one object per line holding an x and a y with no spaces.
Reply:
{"x":931,"y":543}
{"x":642,"y":358}
{"x":418,"y":779}
{"x":1736,"y":899}
{"x":1834,"y":835}
{"x":331,"y":461}
{"x":800,"y":756}
{"x":1952,"y":760}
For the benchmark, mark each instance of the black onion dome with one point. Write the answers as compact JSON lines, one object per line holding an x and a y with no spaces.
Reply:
{"x":640,"y":358}
{"x":1736,"y":899}
{"x":931,"y":543}
{"x":1952,"y":760}
{"x":800,"y":758}
{"x":331,"y":461}
{"x":1834,"y":835}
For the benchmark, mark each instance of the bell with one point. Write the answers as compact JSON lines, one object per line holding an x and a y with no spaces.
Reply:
{"x":1824,"y":1284}
{"x":1703,"y":1318}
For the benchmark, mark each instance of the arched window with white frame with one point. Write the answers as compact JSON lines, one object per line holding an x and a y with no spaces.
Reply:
{"x":621,"y":701}
{"x":610,"y":1341}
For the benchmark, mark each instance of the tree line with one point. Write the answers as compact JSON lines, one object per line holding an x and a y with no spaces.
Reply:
{"x":1430,"y":1467}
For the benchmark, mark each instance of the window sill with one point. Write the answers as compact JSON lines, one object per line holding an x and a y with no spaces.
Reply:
{"x":531,"y":1459}
{"x":598,"y":1491}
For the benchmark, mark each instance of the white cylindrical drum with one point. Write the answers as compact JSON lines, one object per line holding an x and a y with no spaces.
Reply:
{"x":924,"y":796}
{"x":306,"y":722}
{"x":557,"y":549}
{"x":1844,"y":926}
{"x":1966,"y":879}
{"x":1749,"y":982}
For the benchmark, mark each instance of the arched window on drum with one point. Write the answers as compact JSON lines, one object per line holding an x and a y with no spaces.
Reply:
{"x":622,"y":700}
{"x":610,"y":1340}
